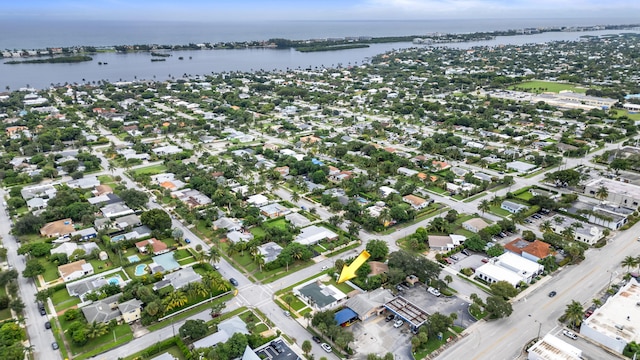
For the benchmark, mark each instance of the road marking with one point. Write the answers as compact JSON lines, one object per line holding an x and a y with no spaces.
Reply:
{"x":492,"y":346}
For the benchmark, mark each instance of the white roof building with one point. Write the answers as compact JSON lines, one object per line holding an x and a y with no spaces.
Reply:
{"x":258,"y":200}
{"x":314,"y":234}
{"x":493,"y":273}
{"x":552,"y":348}
{"x":617,"y":322}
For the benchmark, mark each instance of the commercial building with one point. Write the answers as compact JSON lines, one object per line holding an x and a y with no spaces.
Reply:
{"x":616,"y":322}
{"x":509,"y":267}
{"x":624,"y":194}
{"x":552,"y":348}
{"x":586,"y":233}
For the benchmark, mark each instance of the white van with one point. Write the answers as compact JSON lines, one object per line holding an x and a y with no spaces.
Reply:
{"x":433,"y":291}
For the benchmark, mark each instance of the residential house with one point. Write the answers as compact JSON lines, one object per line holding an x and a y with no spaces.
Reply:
{"x":258,"y":200}
{"x":179,"y":279}
{"x":125,"y":221}
{"x":319,"y":296}
{"x":237,"y":236}
{"x":40,"y":191}
{"x":270,"y":251}
{"x":273,"y":210}
{"x":68,"y":248}
{"x":521,"y":167}
{"x":103,"y":311}
{"x":58,"y":228}
{"x":445,"y":242}
{"x":75,"y":270}
{"x":166,"y":150}
{"x":191,"y":197}
{"x":115,"y":210}
{"x":226,"y":329}
{"x":84,"y":183}
{"x":474,"y":225}
{"x":416,"y":202}
{"x":439,"y":165}
{"x":407,"y":172}
{"x":131,"y":310}
{"x":297,"y":220}
{"x":313,"y":234}
{"x":228,"y":224}
{"x":513,"y":207}
{"x":85,"y":234}
{"x":386,"y":191}
{"x":158,"y":247}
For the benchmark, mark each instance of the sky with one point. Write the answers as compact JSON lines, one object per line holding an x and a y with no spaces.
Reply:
{"x":211,"y":10}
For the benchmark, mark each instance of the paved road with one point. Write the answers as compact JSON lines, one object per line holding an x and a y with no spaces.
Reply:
{"x":504,"y":339}
{"x":39,"y":337}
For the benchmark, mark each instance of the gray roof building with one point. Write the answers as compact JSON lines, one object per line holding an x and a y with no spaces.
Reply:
{"x":270,"y":251}
{"x":297,"y":220}
{"x":103,"y":311}
{"x":182,"y":277}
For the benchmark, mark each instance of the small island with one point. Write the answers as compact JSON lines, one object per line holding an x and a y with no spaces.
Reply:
{"x":55,"y":60}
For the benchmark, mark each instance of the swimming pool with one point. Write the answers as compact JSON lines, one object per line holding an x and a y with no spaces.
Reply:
{"x":133,"y":258}
{"x":115,"y":280}
{"x":141,"y":269}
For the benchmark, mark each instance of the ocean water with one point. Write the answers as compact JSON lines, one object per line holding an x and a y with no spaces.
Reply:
{"x":46,"y":33}
{"x":128,"y":67}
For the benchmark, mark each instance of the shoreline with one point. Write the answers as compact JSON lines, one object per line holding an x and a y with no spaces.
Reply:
{"x":308,"y":45}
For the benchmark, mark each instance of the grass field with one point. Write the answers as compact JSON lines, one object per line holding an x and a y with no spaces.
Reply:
{"x":150,"y":170}
{"x":547,"y":86}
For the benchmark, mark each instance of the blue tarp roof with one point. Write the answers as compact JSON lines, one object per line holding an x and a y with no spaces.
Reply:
{"x":344,"y":315}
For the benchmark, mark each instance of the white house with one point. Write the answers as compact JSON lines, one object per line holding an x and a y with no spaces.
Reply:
{"x":513,"y":207}
{"x":314,"y":234}
{"x":474,"y":225}
{"x":75,"y":270}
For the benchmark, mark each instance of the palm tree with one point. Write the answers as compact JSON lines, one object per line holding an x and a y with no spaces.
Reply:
{"x":213,"y":256}
{"x":484,"y":206}
{"x":175,"y":299}
{"x":629,"y":262}
{"x":96,"y":329}
{"x":568,"y":233}
{"x":518,"y":217}
{"x":597,"y":302}
{"x":152,"y":308}
{"x":574,"y":314}
{"x":495,"y":201}
{"x":260,"y":260}
{"x":602,"y":193}
{"x":546,"y":227}
{"x":448,"y":279}
{"x":295,"y":196}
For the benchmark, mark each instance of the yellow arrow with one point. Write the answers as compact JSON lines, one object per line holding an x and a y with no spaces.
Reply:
{"x":349,"y":272}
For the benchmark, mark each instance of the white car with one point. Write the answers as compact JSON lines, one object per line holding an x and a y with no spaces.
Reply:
{"x":398,"y":324}
{"x":570,"y":334}
{"x":326,"y":347}
{"x":433,"y":291}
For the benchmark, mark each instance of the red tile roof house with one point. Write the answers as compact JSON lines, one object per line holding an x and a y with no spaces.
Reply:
{"x":158,"y":246}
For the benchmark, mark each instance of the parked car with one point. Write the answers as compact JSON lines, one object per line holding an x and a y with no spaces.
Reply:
{"x":433,"y":291}
{"x":465,"y":252}
{"x":398,"y":324}
{"x":389,"y":317}
{"x":570,"y":334}
{"x":588,"y":313}
{"x":453,"y":257}
{"x":43,"y":312}
{"x":399,"y":288}
{"x":287,"y":314}
{"x":47,"y":325}
{"x":316,"y":339}
{"x":216,"y":266}
{"x":449,"y":261}
{"x":233,"y":282}
{"x":187,"y":241}
{"x":552,"y":294}
{"x":485,"y":260}
{"x":326,"y":347}
{"x":55,"y":346}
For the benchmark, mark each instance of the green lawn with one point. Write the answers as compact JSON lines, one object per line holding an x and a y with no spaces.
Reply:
{"x":526,"y":196}
{"x":547,"y":86}
{"x":344,"y":287}
{"x":432,"y":345}
{"x":260,"y":328}
{"x":62,"y":300}
{"x":497,"y":210}
{"x":279,"y":223}
{"x":5,"y":314}
{"x":50,"y":270}
{"x":181,"y":254}
{"x":258,"y":232}
{"x":436,"y":190}
{"x":151,"y":170}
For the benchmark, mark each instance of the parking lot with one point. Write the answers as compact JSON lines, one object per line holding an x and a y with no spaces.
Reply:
{"x":377,"y":336}
{"x":276,"y":350}
{"x":441,"y":304}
